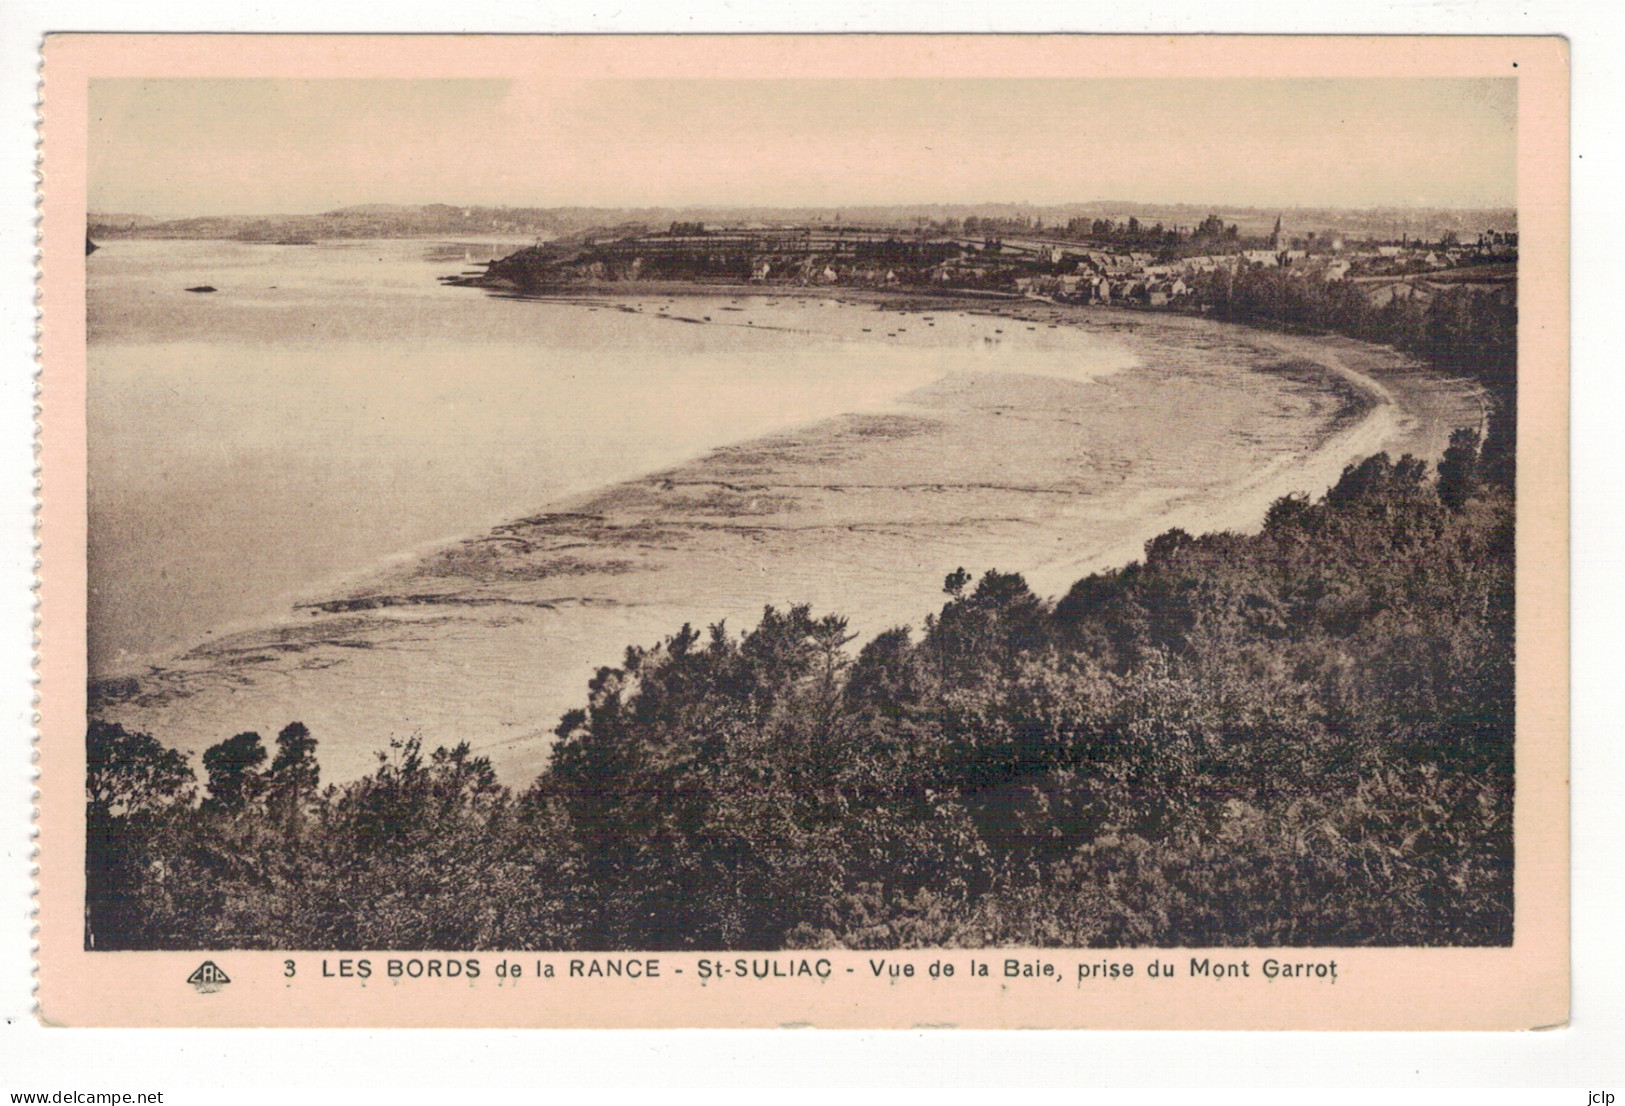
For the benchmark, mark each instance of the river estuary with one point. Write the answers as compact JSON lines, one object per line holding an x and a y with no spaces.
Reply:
{"x":337,"y":491}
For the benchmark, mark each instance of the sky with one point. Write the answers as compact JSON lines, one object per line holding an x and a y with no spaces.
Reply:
{"x":179,"y":147}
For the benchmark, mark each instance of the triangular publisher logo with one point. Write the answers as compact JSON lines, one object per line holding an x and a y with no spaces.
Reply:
{"x":208,"y":978}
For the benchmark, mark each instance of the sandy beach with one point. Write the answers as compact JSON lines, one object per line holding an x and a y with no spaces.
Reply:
{"x":491,"y":637}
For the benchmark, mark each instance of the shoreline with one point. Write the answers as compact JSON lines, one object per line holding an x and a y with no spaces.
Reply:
{"x":713,"y":537}
{"x":1298,"y":343}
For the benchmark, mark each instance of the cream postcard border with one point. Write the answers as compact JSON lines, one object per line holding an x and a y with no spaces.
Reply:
{"x":1524,"y":986}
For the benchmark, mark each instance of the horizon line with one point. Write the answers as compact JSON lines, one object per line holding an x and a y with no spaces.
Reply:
{"x":865,"y":204}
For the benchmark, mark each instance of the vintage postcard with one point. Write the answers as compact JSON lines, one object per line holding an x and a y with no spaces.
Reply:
{"x":866,"y":531}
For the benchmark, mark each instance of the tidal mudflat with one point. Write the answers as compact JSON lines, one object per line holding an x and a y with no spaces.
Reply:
{"x":636,"y":462}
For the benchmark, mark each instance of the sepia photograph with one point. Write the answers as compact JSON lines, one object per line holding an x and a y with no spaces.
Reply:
{"x":620,"y":510}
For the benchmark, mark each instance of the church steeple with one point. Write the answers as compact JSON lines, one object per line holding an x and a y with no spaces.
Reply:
{"x":1275,"y":235}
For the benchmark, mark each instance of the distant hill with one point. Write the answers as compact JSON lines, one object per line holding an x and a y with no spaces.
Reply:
{"x":362,"y":221}
{"x":412,"y":220}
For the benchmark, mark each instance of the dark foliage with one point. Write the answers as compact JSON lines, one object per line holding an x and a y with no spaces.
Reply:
{"x":233,"y":767}
{"x":1302,"y":737}
{"x":1463,"y":330}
